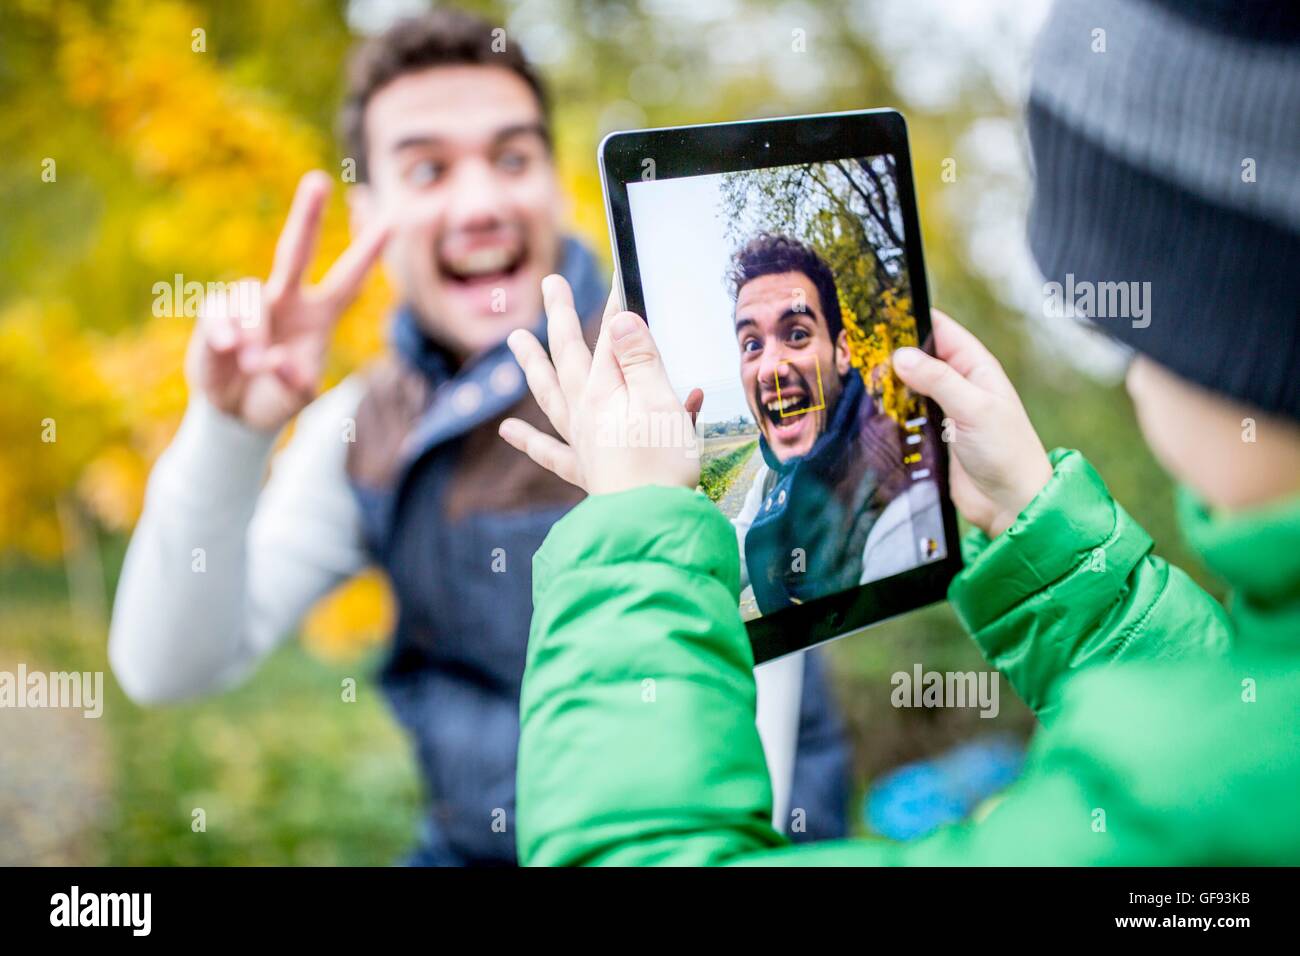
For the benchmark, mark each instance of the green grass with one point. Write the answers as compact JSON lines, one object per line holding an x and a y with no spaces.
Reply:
{"x":285,"y":771}
{"x":718,"y":473}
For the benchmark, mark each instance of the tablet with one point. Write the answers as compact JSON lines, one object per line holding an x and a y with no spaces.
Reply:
{"x":778,"y":265}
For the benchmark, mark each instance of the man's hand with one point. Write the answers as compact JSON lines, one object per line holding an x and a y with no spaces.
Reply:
{"x":998,"y":463}
{"x":258,"y":352}
{"x":621,"y":422}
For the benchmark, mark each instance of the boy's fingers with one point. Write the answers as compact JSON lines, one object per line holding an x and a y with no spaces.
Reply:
{"x":297,"y":242}
{"x":938,"y":380}
{"x":638,"y":357}
{"x":606,"y":377}
{"x":541,"y":378}
{"x":564,"y":337}
{"x":613,"y":305}
{"x":958,"y":346}
{"x":549,"y":452}
{"x":951,"y":338}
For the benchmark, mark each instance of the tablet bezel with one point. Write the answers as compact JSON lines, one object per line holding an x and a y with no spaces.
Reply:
{"x":786,"y":141}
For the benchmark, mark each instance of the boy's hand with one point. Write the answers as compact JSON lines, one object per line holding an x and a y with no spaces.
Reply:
{"x":258,"y":353}
{"x":621,"y":422}
{"x":999,"y":464}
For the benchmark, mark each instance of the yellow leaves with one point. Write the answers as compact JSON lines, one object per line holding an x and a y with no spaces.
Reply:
{"x":112,"y":486}
{"x":85,"y":66}
{"x":211,"y":164}
{"x":870,"y":350}
{"x":226,"y":158}
{"x":174,"y":109}
{"x":354,"y":618}
{"x":54,"y":403}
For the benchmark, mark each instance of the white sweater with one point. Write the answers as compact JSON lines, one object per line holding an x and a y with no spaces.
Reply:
{"x":220,"y":568}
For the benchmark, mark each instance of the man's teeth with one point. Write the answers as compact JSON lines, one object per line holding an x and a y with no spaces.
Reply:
{"x":482,"y":262}
{"x":780,"y":405}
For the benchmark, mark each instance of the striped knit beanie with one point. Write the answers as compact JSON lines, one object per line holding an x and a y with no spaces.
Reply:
{"x":1166,"y":144}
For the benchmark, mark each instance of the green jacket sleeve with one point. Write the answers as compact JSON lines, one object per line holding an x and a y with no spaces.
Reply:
{"x":1184,"y":764}
{"x":638,"y":742}
{"x":1073,"y":582}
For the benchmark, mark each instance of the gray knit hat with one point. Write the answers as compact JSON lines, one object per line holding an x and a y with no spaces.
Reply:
{"x":1166,"y":145}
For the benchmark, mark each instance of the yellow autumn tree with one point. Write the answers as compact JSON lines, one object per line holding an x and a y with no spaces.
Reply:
{"x":193,"y":172}
{"x":870,"y":349}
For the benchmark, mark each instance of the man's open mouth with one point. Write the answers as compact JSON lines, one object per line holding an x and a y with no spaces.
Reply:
{"x":787,"y":408}
{"x":482,"y":266}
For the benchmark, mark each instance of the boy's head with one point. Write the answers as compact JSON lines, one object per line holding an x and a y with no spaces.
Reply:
{"x":448,"y":125}
{"x":1229,"y":453}
{"x":1164,"y":145}
{"x":793,"y":348}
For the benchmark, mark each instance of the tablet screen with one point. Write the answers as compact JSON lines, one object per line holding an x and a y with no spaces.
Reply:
{"x":782,"y":293}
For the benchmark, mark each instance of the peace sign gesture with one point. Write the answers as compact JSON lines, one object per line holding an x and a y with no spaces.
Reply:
{"x":258,"y":350}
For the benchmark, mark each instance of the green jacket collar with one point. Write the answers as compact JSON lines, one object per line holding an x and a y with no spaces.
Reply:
{"x":1257,"y":553}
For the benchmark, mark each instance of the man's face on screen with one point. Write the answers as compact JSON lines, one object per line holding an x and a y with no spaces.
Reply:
{"x":790,"y":367}
{"x":459,"y":159}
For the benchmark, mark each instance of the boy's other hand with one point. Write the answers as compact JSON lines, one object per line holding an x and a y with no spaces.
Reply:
{"x":621,"y":423}
{"x":258,"y":350}
{"x":998,"y":463}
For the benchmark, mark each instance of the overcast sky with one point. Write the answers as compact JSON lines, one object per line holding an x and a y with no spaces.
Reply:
{"x":684,"y":255}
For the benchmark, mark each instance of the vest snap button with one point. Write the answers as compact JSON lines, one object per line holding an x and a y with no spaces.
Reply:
{"x":467,"y":398}
{"x":505,"y":378}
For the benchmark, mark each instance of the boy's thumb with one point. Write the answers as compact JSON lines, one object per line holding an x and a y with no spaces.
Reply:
{"x":935,"y":379}
{"x":636,"y":352}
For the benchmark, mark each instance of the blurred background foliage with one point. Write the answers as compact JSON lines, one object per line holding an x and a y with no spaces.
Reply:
{"x":144,"y":140}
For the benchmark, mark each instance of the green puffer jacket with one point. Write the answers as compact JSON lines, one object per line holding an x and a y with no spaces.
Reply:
{"x":638,"y":740}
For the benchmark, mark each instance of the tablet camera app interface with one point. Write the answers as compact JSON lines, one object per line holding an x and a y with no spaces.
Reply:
{"x":782,"y":292}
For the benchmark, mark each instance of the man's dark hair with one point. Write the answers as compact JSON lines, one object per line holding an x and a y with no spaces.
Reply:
{"x":444,"y":37}
{"x":768,"y":254}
